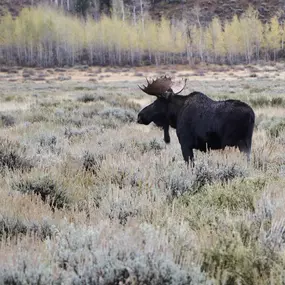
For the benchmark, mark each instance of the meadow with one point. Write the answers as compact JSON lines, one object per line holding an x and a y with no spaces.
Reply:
{"x":88,"y":196}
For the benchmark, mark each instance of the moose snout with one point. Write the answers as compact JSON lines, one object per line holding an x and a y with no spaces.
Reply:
{"x":143,"y":119}
{"x":140,"y":120}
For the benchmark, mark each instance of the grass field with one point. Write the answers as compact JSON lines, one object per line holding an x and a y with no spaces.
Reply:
{"x":90,"y":197}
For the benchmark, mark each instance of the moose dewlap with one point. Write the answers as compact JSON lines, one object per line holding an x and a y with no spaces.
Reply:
{"x":200,"y":122}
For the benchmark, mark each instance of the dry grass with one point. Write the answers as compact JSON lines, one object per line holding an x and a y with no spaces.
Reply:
{"x":90,"y":197}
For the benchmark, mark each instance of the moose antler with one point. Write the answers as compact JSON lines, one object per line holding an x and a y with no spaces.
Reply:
{"x":160,"y":86}
{"x":178,"y":86}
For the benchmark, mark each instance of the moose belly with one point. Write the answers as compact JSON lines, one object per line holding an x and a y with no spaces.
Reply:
{"x":214,"y":141}
{"x":211,"y":141}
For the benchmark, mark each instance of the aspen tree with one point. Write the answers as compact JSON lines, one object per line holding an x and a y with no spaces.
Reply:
{"x":273,"y":36}
{"x":248,"y":31}
{"x":199,"y":31}
{"x":282,"y":30}
{"x":214,"y":38}
{"x":233,"y":40}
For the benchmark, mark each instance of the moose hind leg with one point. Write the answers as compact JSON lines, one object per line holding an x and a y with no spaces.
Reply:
{"x":245,"y":147}
{"x":187,"y":153}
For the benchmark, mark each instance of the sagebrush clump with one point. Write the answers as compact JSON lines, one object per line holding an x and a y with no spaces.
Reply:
{"x":13,"y":157}
{"x":11,"y":227}
{"x":50,"y":190}
{"x":183,"y":181}
{"x":92,"y":162}
{"x":122,"y":115}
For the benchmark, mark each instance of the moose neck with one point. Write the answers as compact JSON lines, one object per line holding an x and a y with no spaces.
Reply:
{"x":174,"y":107}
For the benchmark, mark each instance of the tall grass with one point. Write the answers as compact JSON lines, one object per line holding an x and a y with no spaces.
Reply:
{"x":88,"y":196}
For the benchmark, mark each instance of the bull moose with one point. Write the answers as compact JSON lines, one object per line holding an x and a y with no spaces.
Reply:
{"x":200,"y":122}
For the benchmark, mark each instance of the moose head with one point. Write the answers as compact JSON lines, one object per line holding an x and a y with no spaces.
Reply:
{"x":162,"y":112}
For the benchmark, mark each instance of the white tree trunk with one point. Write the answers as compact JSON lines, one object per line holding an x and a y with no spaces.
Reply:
{"x":122,"y":6}
{"x":142,"y":13}
{"x":134,"y":15}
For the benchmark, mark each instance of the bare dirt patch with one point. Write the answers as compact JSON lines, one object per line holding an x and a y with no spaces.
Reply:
{"x":98,"y":74}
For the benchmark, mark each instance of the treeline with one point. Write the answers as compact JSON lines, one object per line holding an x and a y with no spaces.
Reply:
{"x":44,"y":36}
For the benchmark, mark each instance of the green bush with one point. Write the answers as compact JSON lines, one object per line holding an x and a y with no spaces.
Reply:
{"x":48,"y":189}
{"x":7,"y":120}
{"x":125,"y":262}
{"x":236,"y":196}
{"x":13,"y":157}
{"x":25,"y":272}
{"x":123,"y":115}
{"x":14,"y":227}
{"x":179,"y":181}
{"x":48,"y":143}
{"x":260,"y":101}
{"x":92,"y":162}
{"x":241,"y":258}
{"x":273,"y":126}
{"x":86,"y":98}
{"x":146,"y":146}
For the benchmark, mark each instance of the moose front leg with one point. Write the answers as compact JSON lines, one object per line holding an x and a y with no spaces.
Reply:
{"x":166,"y":134}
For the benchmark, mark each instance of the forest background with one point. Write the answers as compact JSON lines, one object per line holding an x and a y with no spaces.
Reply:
{"x":140,"y":32}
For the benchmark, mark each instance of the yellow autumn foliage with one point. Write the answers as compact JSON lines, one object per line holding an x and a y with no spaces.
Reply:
{"x":44,"y":32}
